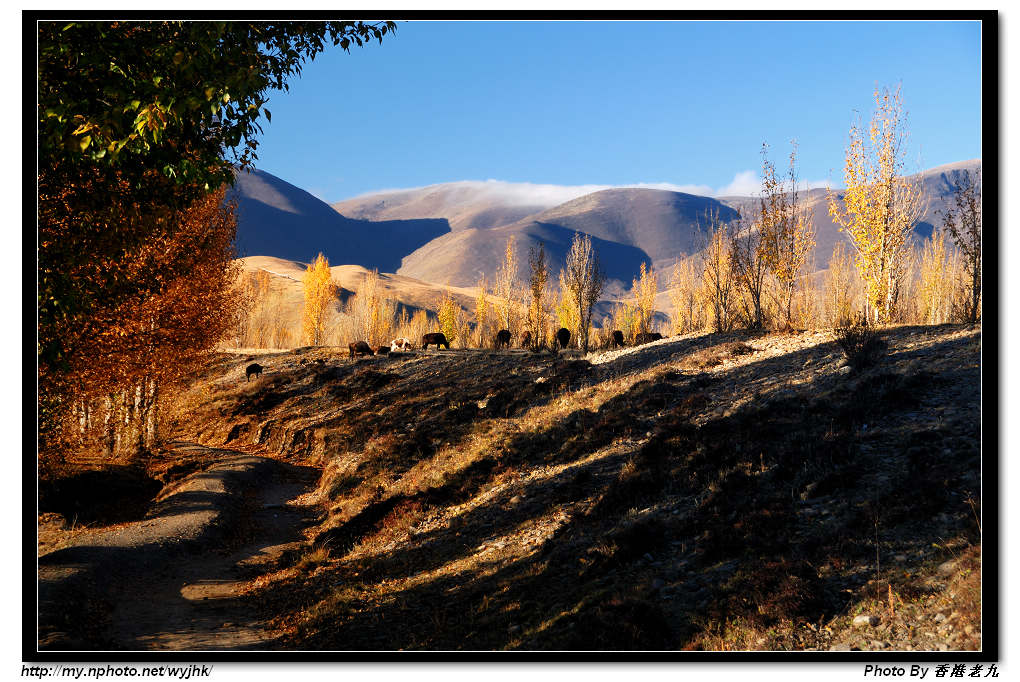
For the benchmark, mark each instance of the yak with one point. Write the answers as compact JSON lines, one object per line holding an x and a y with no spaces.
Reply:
{"x":503,"y":339}
{"x":255,"y":369}
{"x":617,"y":339}
{"x":360,"y":348}
{"x":646,"y":337}
{"x":563,"y":337}
{"x":438,"y":338}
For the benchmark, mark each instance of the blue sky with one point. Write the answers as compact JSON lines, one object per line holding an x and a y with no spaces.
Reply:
{"x":686,"y":104}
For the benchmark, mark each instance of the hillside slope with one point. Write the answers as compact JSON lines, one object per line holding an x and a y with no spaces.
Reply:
{"x":705,"y":492}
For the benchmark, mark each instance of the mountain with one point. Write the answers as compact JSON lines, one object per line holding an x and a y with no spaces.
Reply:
{"x":275,"y":218}
{"x":461,"y":257}
{"x":628,"y":226}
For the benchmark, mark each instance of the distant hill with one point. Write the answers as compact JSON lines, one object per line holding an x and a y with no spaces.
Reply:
{"x":275,"y":218}
{"x":630,"y":226}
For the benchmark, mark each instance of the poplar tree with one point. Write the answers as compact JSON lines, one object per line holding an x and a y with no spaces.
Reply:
{"x":881,"y":205}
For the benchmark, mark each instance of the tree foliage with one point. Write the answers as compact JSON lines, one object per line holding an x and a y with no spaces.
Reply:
{"x":506,"y":287}
{"x":786,"y":235}
{"x":320,"y":292}
{"x":539,"y":303}
{"x":645,"y":289}
{"x":171,"y":298}
{"x":174,"y":96}
{"x":585,"y":280}
{"x":881,"y":205}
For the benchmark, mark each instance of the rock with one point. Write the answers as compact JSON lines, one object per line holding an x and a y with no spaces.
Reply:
{"x":939,"y":617}
{"x":947,"y":568}
{"x":845,"y":369}
{"x":866,"y":620}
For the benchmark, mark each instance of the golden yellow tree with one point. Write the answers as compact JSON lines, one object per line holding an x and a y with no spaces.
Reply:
{"x":567,"y":310}
{"x":880,"y":205}
{"x":683,"y":294}
{"x":506,"y":287}
{"x":717,"y":283}
{"x":645,"y":288}
{"x":482,"y":312}
{"x":839,"y":286}
{"x":449,"y":322}
{"x":320,"y":291}
{"x":539,"y":295}
{"x":786,"y":233}
{"x":937,"y":284}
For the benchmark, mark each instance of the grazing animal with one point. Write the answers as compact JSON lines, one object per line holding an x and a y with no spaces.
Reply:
{"x":646,"y":337}
{"x":360,"y":348}
{"x":382,"y":350}
{"x":563,"y":337}
{"x":503,"y":339}
{"x":255,"y":369}
{"x":438,"y":338}
{"x":526,"y":340}
{"x":617,"y":339}
{"x":400,"y":345}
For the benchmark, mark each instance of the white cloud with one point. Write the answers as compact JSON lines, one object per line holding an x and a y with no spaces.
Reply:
{"x":744,"y":183}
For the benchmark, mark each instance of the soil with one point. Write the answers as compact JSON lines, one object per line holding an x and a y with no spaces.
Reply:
{"x":175,"y":579}
{"x":737,"y":491}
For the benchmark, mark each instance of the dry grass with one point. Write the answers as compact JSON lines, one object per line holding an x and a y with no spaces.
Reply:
{"x":537,"y":502}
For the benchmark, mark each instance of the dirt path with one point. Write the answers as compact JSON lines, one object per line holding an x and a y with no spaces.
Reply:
{"x":173,"y":581}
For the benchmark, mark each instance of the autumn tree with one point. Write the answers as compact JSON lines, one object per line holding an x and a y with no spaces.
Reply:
{"x":786,"y":234}
{"x":962,"y":220}
{"x":585,"y":280}
{"x":838,"y":286}
{"x":506,"y":287}
{"x":749,"y":269}
{"x":880,"y":205}
{"x":567,"y":308}
{"x":449,"y":317}
{"x":539,"y":303}
{"x":136,"y":121}
{"x":483,"y":313}
{"x":645,"y":289}
{"x":117,"y":362}
{"x":683,"y":294}
{"x":320,"y":293}
{"x":718,"y":278}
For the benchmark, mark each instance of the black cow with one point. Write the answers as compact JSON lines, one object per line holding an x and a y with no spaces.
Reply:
{"x":255,"y":369}
{"x":646,"y":337}
{"x":617,"y":339}
{"x":563,"y":337}
{"x":503,"y":339}
{"x":360,"y":348}
{"x":526,"y":340}
{"x":382,"y":350}
{"x":437,"y":338}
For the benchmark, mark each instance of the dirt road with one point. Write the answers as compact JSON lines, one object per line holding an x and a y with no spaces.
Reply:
{"x":173,"y":580}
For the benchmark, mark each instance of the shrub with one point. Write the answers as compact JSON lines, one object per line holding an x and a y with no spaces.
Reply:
{"x":860,"y":342}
